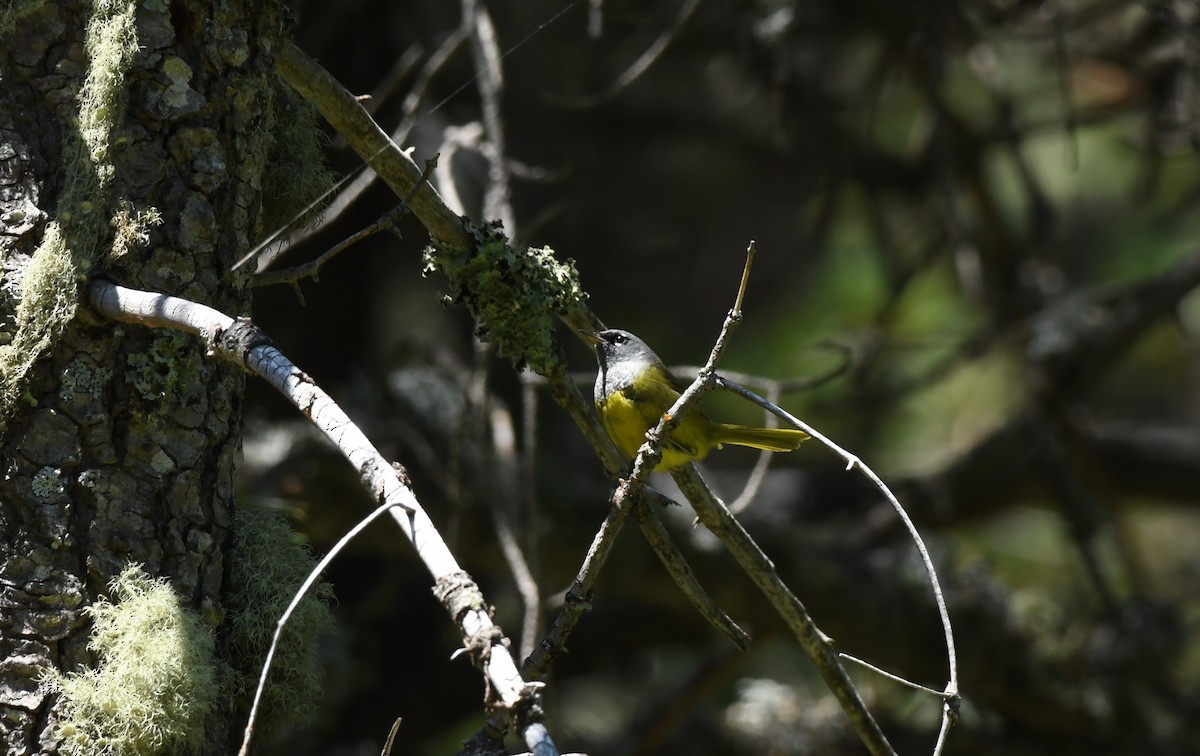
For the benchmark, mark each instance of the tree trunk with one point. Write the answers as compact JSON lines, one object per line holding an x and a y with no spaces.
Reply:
{"x":133,"y":139}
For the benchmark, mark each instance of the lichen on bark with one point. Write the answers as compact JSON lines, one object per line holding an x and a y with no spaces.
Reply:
{"x":156,"y":682}
{"x":69,"y":246}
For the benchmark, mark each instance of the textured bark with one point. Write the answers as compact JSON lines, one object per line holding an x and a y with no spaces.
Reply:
{"x":124,"y":442}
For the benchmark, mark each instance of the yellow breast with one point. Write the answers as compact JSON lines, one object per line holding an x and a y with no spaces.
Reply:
{"x":627,"y":421}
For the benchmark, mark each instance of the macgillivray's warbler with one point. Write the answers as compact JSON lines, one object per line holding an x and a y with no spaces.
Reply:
{"x":633,"y":391}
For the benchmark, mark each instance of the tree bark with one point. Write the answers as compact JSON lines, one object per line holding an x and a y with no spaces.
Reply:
{"x":119,"y":445}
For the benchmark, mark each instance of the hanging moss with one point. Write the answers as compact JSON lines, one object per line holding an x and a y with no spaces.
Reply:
{"x":69,"y":247}
{"x":268,"y":564}
{"x":294,"y":175}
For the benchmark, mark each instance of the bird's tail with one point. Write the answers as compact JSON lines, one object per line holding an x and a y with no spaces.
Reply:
{"x":769,"y":439}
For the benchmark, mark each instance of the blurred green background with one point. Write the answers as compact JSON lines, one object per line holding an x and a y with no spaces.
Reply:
{"x":981,"y":217}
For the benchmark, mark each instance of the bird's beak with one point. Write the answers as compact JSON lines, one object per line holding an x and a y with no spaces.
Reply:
{"x":591,"y":338}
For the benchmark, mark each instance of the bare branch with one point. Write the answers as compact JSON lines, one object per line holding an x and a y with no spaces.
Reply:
{"x":716,"y":517}
{"x":240,"y":342}
{"x":362,"y":179}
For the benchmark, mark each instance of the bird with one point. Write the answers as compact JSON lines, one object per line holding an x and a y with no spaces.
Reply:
{"x":634,"y":390}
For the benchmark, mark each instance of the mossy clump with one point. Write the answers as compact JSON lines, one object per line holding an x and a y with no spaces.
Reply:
{"x":154,"y":686}
{"x":513,"y":294}
{"x":48,"y":300}
{"x":69,"y":250}
{"x":295,"y":178}
{"x":268,"y":564}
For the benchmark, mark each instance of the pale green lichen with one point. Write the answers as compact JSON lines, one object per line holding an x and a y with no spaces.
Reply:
{"x":131,"y":227}
{"x":47,"y":302}
{"x":69,"y":246}
{"x":179,"y":73}
{"x":80,"y":377}
{"x":48,"y":484}
{"x":161,"y":462}
{"x":513,"y":294}
{"x":89,"y":479}
{"x":111,"y":43}
{"x":177,"y":69}
{"x":170,"y":367}
{"x":268,"y":564}
{"x":154,"y":685}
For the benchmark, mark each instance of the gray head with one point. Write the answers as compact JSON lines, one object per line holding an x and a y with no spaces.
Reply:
{"x":622,"y":357}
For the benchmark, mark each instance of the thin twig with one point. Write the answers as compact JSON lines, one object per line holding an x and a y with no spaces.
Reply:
{"x":528,"y":496}
{"x":506,"y":469}
{"x":716,"y":517}
{"x":312,"y":268}
{"x":454,"y":138}
{"x":761,"y":465}
{"x":891,"y":676}
{"x":758,"y":475}
{"x":267,"y":250}
{"x":677,"y":566}
{"x":357,"y":182}
{"x":595,"y":19}
{"x":433,"y":66}
{"x":639,"y":67}
{"x":497,"y":202}
{"x":281,"y":623}
{"x":576,"y":600}
{"x":853,"y":462}
{"x":741,"y":294}
{"x":781,"y":386}
{"x":391,"y":738}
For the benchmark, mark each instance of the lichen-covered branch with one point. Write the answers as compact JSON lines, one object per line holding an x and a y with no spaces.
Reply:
{"x":513,"y":294}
